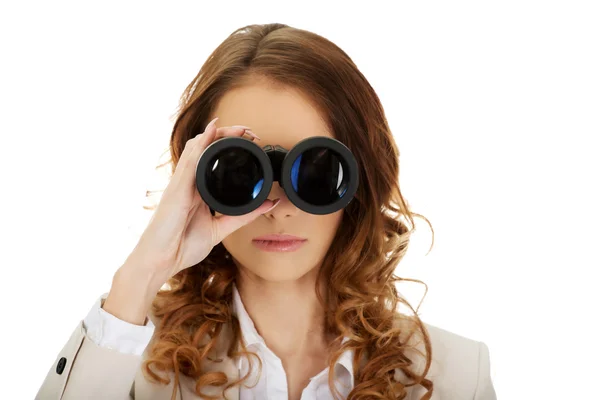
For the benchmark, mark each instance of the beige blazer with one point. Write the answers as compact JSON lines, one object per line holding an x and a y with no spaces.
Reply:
{"x":460,"y":370}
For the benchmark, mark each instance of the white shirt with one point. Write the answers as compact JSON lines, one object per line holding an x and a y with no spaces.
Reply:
{"x":108,"y":331}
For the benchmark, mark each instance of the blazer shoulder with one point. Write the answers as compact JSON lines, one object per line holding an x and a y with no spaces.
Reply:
{"x":460,"y":367}
{"x":451,"y":343}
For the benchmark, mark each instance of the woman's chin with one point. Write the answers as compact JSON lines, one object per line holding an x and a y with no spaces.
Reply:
{"x":276,"y":270}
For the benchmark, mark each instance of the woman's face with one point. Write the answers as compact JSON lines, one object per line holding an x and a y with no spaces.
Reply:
{"x":279,"y":117}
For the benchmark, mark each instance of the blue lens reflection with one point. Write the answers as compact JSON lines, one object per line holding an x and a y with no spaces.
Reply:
{"x":257,"y":188}
{"x":295,"y":172}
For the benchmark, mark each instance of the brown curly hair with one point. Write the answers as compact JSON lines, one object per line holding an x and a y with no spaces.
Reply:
{"x":361,"y":297}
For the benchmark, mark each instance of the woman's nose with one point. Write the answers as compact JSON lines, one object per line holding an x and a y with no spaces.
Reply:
{"x":285,"y":208}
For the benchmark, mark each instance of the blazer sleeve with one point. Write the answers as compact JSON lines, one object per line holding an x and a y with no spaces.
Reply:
{"x":84,"y":369}
{"x":485,"y":388}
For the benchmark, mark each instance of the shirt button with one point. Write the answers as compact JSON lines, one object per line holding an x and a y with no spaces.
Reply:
{"x":60,"y":367}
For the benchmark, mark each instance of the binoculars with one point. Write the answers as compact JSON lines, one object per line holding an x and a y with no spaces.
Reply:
{"x":234,"y":175}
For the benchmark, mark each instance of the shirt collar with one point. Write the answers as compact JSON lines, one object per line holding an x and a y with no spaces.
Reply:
{"x":345,"y":361}
{"x":249,"y":333}
{"x":251,"y":336}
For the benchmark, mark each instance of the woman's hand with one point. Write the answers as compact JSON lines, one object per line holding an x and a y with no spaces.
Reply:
{"x":181,"y":232}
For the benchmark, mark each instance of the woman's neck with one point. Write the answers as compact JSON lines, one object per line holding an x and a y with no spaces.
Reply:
{"x":287,"y":315}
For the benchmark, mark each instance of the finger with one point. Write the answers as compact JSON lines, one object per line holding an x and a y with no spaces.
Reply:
{"x":227,"y":224}
{"x":195,"y":147}
{"x":185,"y":170}
{"x":212,"y":133}
{"x":236,"y":131}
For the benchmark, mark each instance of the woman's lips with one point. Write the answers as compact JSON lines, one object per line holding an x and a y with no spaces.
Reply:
{"x":278,"y":243}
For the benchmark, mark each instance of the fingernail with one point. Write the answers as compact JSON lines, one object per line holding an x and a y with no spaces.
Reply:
{"x":249,"y":132}
{"x":211,"y":123}
{"x":241,"y":126}
{"x":273,"y":206}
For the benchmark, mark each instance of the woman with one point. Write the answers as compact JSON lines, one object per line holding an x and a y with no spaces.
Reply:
{"x":316,"y":318}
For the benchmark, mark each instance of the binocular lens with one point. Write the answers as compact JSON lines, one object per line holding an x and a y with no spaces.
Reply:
{"x":234,"y":177}
{"x":318,"y":176}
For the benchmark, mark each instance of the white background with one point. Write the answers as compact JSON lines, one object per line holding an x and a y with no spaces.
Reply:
{"x":495,"y":107}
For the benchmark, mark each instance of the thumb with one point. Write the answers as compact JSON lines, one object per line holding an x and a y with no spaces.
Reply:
{"x":227,"y":224}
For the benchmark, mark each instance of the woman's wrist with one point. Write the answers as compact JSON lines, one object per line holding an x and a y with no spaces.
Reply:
{"x":132,"y":292}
